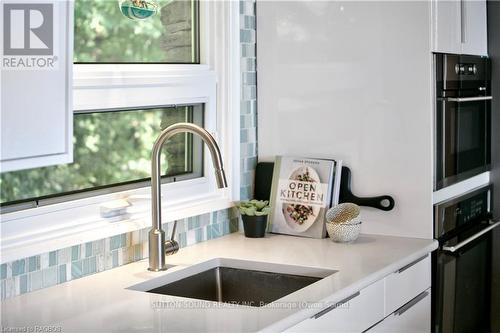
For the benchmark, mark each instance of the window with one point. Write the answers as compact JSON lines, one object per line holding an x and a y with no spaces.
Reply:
{"x":128,"y":77}
{"x":104,"y":35}
{"x":111,"y":148}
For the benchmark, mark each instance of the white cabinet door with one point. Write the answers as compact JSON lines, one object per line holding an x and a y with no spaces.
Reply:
{"x":459,"y":26}
{"x":475,"y":36}
{"x":447,"y":26}
{"x":413,"y":317}
{"x":354,"y":314}
{"x":36,"y":98}
{"x":404,"y":284}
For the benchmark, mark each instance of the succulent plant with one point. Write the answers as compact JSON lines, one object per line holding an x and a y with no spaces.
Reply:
{"x":254,"y":207}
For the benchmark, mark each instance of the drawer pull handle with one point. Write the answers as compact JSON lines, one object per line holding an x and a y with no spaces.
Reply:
{"x":411,"y":303}
{"x":404,"y":268}
{"x":334,"y":306}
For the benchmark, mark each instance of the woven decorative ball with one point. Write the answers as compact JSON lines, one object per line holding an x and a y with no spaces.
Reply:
{"x":344,"y":233}
{"x":343,"y":213}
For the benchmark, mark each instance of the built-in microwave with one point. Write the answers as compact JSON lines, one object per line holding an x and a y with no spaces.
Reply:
{"x":462,"y":118}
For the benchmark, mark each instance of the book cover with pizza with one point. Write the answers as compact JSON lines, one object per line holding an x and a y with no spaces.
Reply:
{"x":302,"y":191}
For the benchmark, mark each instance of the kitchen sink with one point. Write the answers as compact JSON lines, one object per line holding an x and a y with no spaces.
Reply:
{"x":239,"y":282}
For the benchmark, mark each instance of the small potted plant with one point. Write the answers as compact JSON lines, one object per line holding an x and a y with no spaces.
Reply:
{"x":254,"y":215}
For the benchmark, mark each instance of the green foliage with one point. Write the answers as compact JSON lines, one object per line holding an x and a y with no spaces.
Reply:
{"x":254,"y":207}
{"x":103,"y":34}
{"x":109,"y":148}
{"x":115,"y":147}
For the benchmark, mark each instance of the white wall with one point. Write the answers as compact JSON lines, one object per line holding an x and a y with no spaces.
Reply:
{"x":352,"y":81}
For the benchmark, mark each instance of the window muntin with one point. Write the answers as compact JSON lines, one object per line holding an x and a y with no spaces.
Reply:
{"x":112,"y":148}
{"x":104,"y":35}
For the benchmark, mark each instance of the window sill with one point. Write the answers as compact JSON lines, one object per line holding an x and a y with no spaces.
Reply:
{"x":31,"y":235}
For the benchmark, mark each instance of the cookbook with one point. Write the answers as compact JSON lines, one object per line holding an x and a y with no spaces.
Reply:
{"x":302,"y":191}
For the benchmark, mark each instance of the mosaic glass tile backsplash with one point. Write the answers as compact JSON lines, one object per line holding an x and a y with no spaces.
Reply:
{"x":48,"y":269}
{"x":248,"y":116}
{"x":52,"y":268}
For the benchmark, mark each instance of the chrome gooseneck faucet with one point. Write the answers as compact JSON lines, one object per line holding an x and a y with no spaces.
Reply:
{"x":158,"y":247}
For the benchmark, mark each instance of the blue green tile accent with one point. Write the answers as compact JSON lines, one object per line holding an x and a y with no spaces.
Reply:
{"x":193,"y":222}
{"x":115,"y":242}
{"x":64,"y":255}
{"x":204,"y":220}
{"x":93,"y":265}
{"x":137,"y":252}
{"x":115,"y":258}
{"x":123,"y":240}
{"x":36,"y":280}
{"x":198,"y":235}
{"x":76,"y":269}
{"x":216,"y":230}
{"x":247,"y":36}
{"x":23,"y":284}
{"x":18,"y":267}
{"x":89,"y":266}
{"x":208,"y":231}
{"x":88,"y":249}
{"x":3,"y":293}
{"x":3,"y":271}
{"x":52,"y":258}
{"x":98,"y":247}
{"x":62,"y":273}
{"x":225,"y":227}
{"x":182,"y":240}
{"x":49,"y":277}
{"x":75,"y":252}
{"x":34,"y":263}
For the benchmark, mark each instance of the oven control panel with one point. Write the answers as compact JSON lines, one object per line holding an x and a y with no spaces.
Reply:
{"x":466,"y":69}
{"x":471,"y":208}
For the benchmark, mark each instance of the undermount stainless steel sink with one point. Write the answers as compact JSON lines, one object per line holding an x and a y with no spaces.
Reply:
{"x":237,"y":286}
{"x":232,"y":281}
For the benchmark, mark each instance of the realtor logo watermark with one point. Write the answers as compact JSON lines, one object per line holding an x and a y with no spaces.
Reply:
{"x":28,"y":36}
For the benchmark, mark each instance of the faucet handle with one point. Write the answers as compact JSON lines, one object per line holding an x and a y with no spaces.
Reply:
{"x":171,"y":247}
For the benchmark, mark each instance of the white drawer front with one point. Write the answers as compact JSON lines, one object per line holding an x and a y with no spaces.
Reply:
{"x":355,"y":315}
{"x":413,"y":317}
{"x":408,"y":282}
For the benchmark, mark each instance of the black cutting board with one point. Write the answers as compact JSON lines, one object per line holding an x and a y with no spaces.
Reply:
{"x":264,"y":177}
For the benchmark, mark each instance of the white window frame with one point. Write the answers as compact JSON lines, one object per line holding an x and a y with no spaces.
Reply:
{"x":215,"y":83}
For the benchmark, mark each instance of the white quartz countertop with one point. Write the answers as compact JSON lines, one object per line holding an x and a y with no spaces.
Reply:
{"x":102,"y":302}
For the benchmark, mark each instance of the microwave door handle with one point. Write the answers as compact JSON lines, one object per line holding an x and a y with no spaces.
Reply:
{"x":455,"y":248}
{"x":469,"y":99}
{"x":448,"y":136}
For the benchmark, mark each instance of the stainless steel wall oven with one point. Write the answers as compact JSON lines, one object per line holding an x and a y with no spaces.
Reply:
{"x":462,"y":265}
{"x":462,"y":118}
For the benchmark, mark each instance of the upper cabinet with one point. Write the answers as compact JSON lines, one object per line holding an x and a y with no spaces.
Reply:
{"x":475,"y":28}
{"x":460,"y":27}
{"x":36,"y":117}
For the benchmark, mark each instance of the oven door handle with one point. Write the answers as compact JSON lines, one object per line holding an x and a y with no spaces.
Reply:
{"x":469,"y":99}
{"x":455,"y":248}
